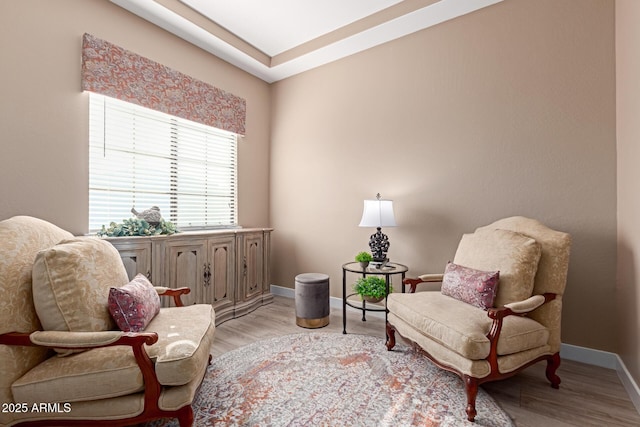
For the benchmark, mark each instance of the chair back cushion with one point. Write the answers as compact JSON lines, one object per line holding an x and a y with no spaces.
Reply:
{"x":71,"y":283}
{"x":513,"y":254}
{"x":21,"y":238}
{"x":552,"y":269}
{"x":555,"y":245}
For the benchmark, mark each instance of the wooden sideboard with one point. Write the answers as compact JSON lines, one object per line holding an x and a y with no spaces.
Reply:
{"x":228,"y":269}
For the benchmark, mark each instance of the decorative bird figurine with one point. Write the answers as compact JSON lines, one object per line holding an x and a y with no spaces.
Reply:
{"x":151,"y":215}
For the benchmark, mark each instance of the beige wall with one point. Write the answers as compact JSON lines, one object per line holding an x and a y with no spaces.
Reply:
{"x":628,"y":134}
{"x":509,"y":110}
{"x":44,"y":115}
{"x":506,"y":111}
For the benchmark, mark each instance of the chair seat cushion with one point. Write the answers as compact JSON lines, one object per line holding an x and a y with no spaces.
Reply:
{"x":185,"y":338}
{"x":462,"y":327}
{"x":91,"y":375}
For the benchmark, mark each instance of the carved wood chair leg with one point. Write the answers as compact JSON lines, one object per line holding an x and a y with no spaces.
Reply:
{"x":471,"y":385}
{"x":553,"y":363}
{"x":185,"y":416}
{"x":391,"y":334}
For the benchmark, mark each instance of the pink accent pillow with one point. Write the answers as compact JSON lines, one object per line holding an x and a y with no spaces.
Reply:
{"x":134,"y":305}
{"x":474,"y":287}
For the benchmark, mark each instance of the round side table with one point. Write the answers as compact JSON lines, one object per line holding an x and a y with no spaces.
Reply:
{"x":389,"y":270}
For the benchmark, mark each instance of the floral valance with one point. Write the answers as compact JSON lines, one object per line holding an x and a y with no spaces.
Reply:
{"x":116,"y":72}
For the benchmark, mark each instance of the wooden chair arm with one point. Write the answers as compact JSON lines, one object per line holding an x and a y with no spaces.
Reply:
{"x":173,"y":292}
{"x":16,"y":338}
{"x":424,"y":278}
{"x":515,"y":309}
{"x":81,"y":341}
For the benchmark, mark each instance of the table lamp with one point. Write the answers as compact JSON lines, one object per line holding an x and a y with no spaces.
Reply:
{"x":378,"y":213}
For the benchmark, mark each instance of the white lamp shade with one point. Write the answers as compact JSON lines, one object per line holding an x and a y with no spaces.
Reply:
{"x":378,"y":213}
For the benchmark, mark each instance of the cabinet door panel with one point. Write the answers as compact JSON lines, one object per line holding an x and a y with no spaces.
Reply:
{"x":136,"y":262}
{"x":252,"y":266}
{"x":136,"y":257}
{"x":185,"y":267}
{"x":220,"y":276}
{"x":220,"y":280}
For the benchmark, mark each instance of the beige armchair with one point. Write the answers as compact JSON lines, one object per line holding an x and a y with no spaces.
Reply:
{"x":480,"y":334}
{"x":63,"y":361}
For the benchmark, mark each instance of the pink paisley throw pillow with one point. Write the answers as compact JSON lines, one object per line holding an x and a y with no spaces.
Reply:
{"x":134,"y":305}
{"x":474,"y":287}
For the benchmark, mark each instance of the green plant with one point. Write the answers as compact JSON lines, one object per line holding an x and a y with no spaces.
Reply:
{"x":372,"y":286}
{"x":364,"y":257}
{"x":137,"y":227}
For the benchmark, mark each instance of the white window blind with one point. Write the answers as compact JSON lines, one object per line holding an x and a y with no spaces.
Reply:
{"x":142,"y":158}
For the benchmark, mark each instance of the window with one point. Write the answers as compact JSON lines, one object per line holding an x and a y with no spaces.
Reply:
{"x":142,"y":158}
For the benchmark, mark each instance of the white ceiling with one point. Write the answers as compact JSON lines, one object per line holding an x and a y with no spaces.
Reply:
{"x":276,"y":26}
{"x":276,"y":39}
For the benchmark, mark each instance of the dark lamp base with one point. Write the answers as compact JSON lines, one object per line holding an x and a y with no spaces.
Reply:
{"x":379,"y":244}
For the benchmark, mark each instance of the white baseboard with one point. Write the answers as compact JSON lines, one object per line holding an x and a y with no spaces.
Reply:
{"x":334,"y":302}
{"x":282,"y":291}
{"x":590,"y":356}
{"x":604,"y":359}
{"x":629,"y":383}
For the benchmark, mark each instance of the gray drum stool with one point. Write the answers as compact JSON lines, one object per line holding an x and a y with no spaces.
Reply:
{"x":312,"y":300}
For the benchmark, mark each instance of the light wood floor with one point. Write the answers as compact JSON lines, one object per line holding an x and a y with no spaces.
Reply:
{"x":588,"y":395}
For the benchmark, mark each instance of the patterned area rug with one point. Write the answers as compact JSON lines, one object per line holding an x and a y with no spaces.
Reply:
{"x":325,"y":379}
